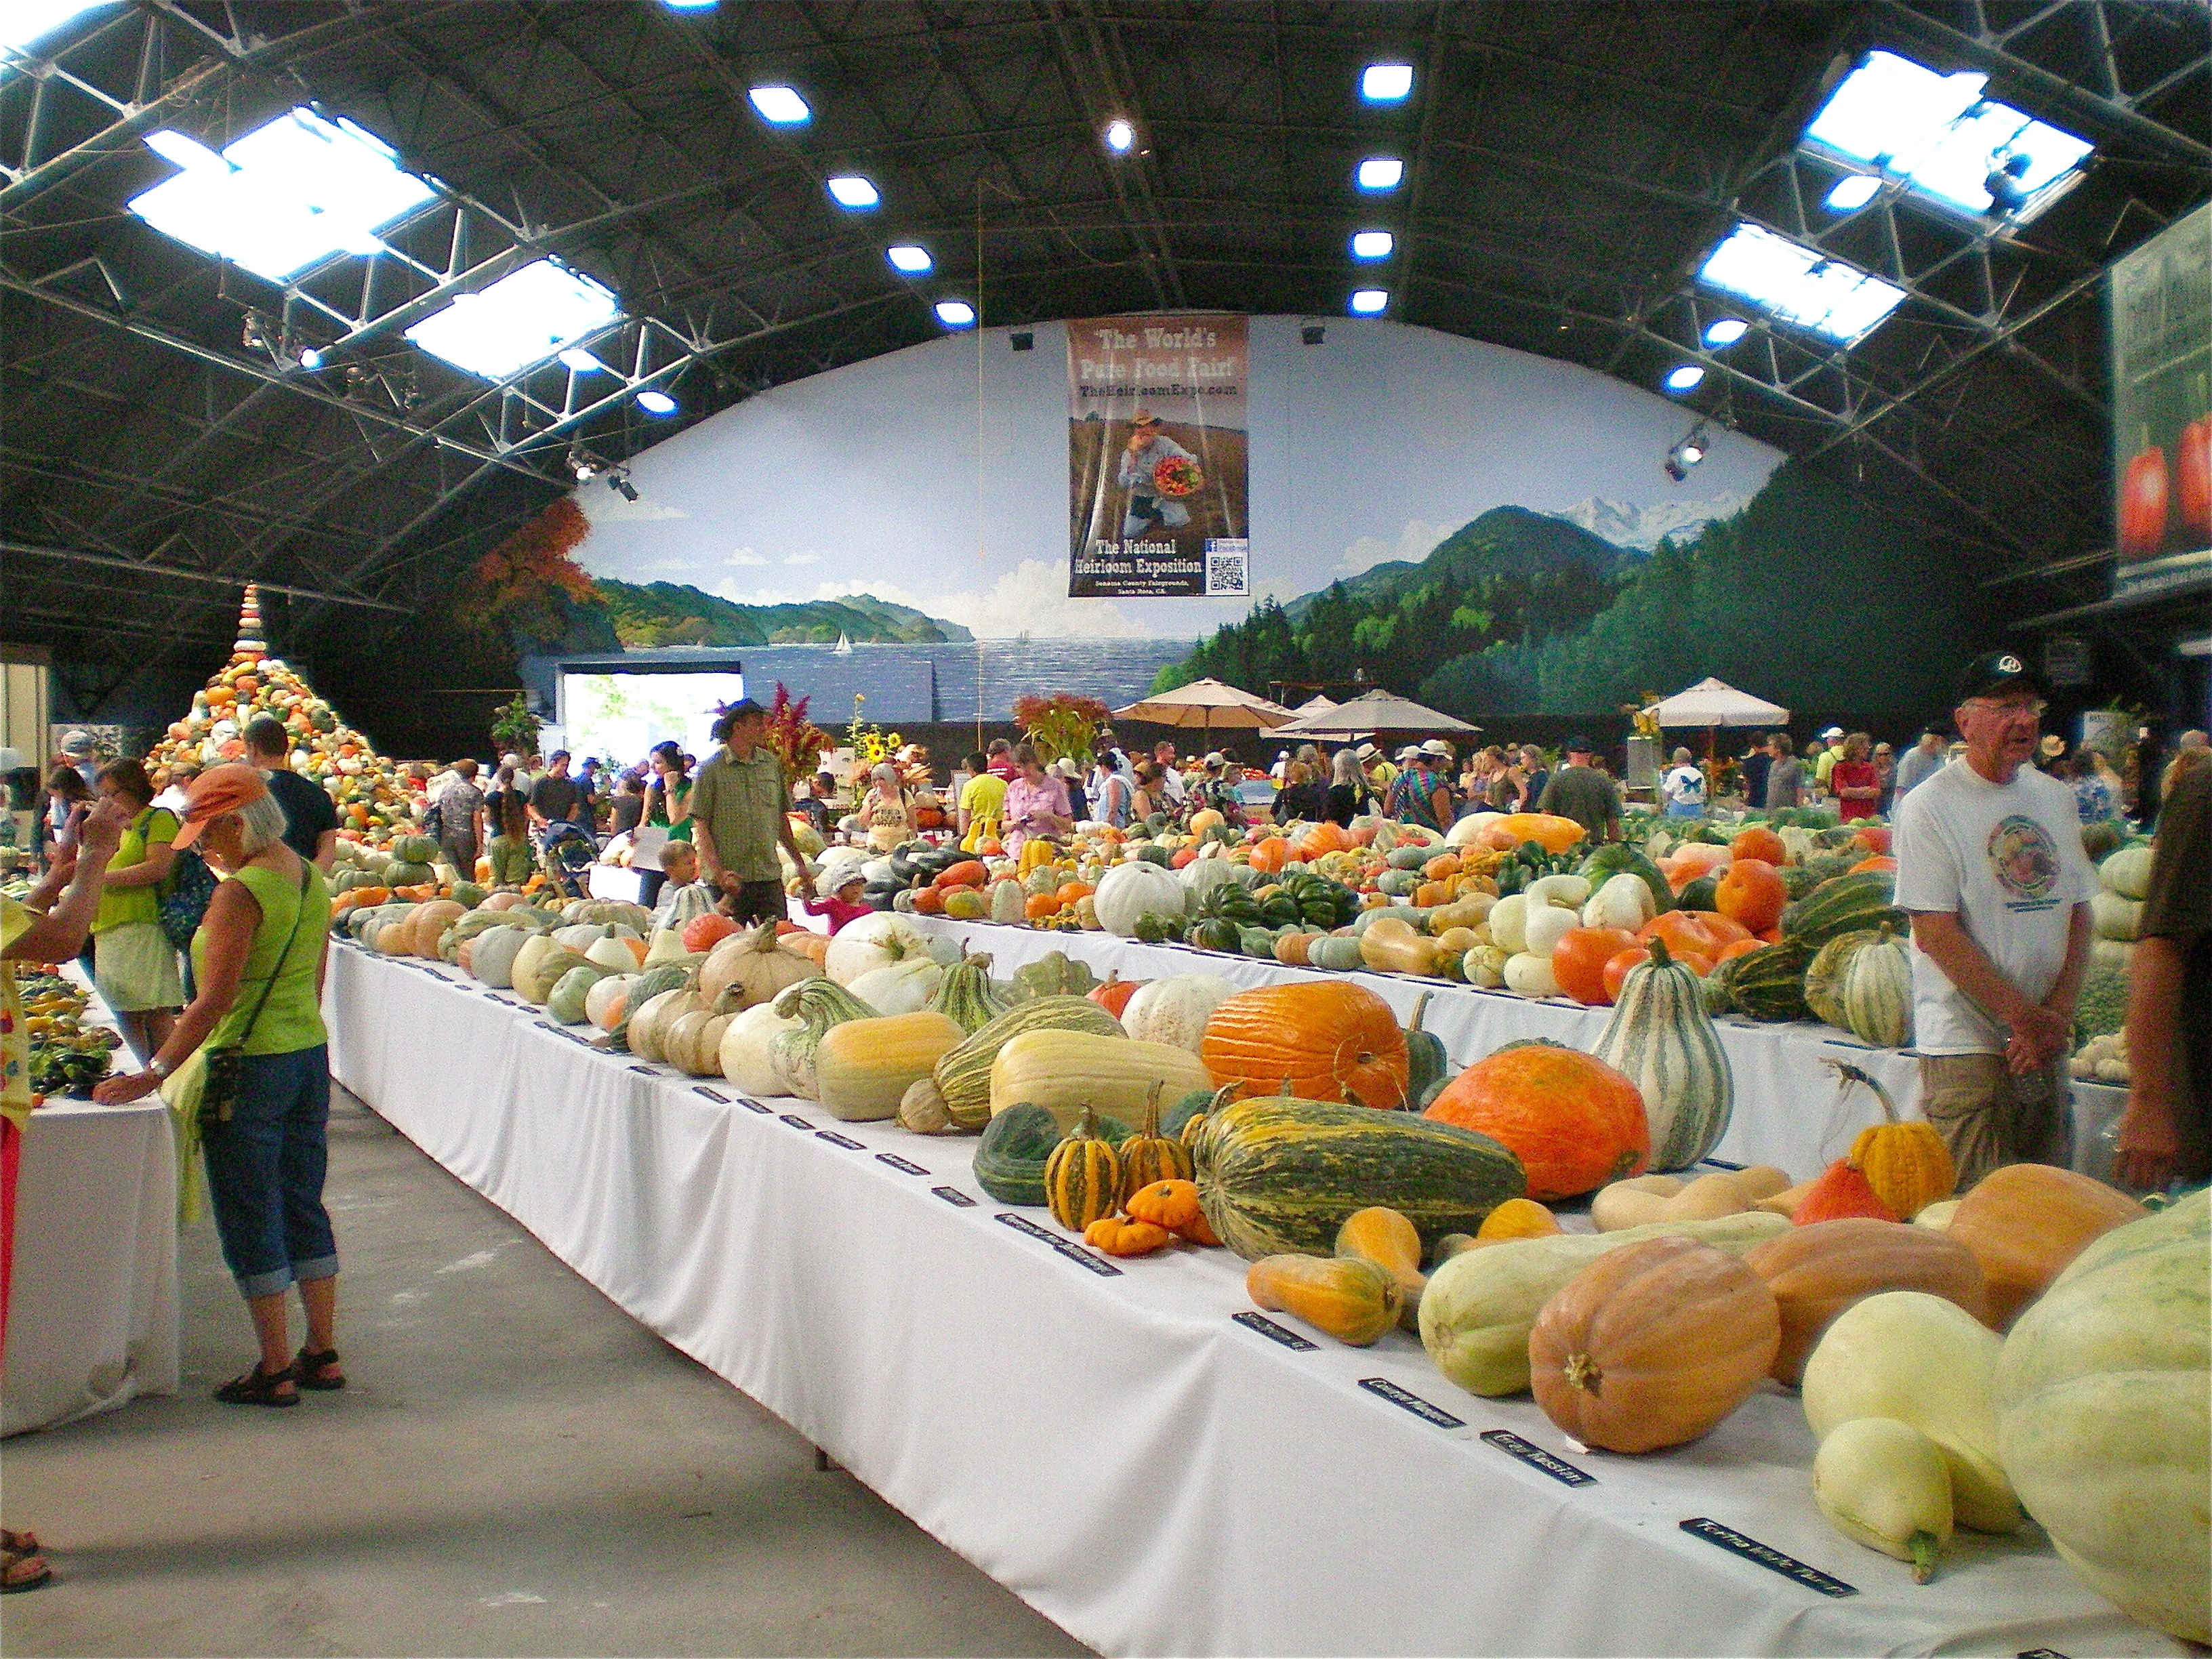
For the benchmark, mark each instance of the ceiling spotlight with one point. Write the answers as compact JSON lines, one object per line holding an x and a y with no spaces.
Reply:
{"x":853,"y":192}
{"x":313,"y":357}
{"x":1121,"y":136}
{"x":1386,"y":83}
{"x":1688,"y":452}
{"x":690,"y":5}
{"x":1381,"y":172}
{"x":1726,"y":332}
{"x":1686,"y":377}
{"x":1372,"y":244}
{"x":907,"y":257}
{"x":583,"y":361}
{"x":1314,"y":333}
{"x":618,"y":481}
{"x":956,"y":314}
{"x":581,"y":466}
{"x":253,"y":334}
{"x":653,"y":401}
{"x":1367,"y":302}
{"x":1854,"y":191}
{"x":780,"y":107}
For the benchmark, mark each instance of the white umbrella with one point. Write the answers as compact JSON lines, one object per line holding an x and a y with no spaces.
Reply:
{"x":1208,"y":704}
{"x":1315,"y":705}
{"x":1713,"y":702}
{"x":1371,"y":712}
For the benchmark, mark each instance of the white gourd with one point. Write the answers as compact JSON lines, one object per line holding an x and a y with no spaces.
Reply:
{"x":604,"y":1002}
{"x":1529,"y":975}
{"x":1130,"y":890}
{"x":747,"y":1057}
{"x":1663,"y":1040}
{"x":1507,"y":919}
{"x":1624,"y":901}
{"x":2127,"y":873}
{"x":1545,"y":926}
{"x":882,"y":941}
{"x":614,"y":952}
{"x":1882,"y":1483}
{"x":1175,"y":1010}
{"x":904,"y":988}
{"x":754,"y":965}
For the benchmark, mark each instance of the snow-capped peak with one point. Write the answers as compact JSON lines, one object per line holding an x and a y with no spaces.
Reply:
{"x":1644,"y":527}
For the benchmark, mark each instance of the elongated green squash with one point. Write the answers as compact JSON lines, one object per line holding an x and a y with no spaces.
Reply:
{"x":1663,"y":1040}
{"x":963,"y":1077}
{"x":1847,"y":904}
{"x":966,"y":996}
{"x":1278,"y":1176}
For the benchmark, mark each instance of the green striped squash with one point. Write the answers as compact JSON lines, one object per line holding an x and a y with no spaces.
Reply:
{"x":1849,"y":905}
{"x":1769,"y":983}
{"x":1863,"y":981}
{"x":964,"y":1076}
{"x":1010,"y":1159}
{"x":1083,"y":1176}
{"x":817,"y":1004}
{"x":1278,"y":1176}
{"x":650,"y":984}
{"x":966,"y":996}
{"x":1661,"y":1038}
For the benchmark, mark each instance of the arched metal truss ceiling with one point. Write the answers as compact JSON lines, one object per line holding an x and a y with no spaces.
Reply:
{"x":1569,"y":164}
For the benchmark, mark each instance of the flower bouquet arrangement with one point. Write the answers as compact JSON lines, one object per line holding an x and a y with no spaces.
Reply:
{"x":1177,"y":476}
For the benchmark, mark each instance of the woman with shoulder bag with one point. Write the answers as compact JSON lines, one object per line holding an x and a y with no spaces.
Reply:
{"x":252,"y":1072}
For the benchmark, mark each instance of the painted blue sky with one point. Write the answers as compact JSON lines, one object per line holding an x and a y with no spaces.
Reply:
{"x":1375,"y":445}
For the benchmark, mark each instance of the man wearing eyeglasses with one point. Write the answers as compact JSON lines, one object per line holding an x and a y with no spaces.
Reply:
{"x":1990,"y":866}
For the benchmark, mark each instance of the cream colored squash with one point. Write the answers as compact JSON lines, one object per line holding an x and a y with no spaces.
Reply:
{"x":694,"y":1043}
{"x":1064,"y":1071}
{"x":747,"y":1058}
{"x":538,"y":967}
{"x":649,"y":1025}
{"x":618,"y":951}
{"x":865,"y":1066}
{"x":604,"y":1002}
{"x":1882,"y":1483}
{"x":1926,"y":1362}
{"x":904,"y":988}
{"x":755,"y":965}
{"x":873,"y":942}
{"x":1175,"y":1010}
{"x":1529,"y":975}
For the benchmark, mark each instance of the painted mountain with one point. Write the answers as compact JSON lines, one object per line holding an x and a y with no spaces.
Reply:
{"x":1644,"y":527}
{"x":670,"y":613}
{"x":1794,"y":599}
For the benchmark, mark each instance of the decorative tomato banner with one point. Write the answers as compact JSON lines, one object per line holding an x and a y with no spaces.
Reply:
{"x":2161,"y":315}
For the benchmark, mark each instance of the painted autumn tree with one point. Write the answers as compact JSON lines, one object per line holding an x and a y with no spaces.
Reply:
{"x":529,"y":584}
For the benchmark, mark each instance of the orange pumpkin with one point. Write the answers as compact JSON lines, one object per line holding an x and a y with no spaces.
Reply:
{"x":1652,"y":1344}
{"x":1113,"y":995}
{"x":1070,"y":891}
{"x":1876,"y":836}
{"x":968,"y":873}
{"x":1880,"y":862}
{"x":1324,"y":839}
{"x":1271,"y":853}
{"x":1841,"y":1190}
{"x":1038,"y":907}
{"x":1170,"y":1204}
{"x":1579,"y":961}
{"x":1694,"y":932}
{"x":2025,"y":1222}
{"x":1431,"y":894}
{"x":1319,"y":1040}
{"x":1548,"y":830}
{"x":928,"y":902}
{"x":1817,"y":1272}
{"x":1119,"y":1237}
{"x":706,"y":930}
{"x":1759,"y":843}
{"x":1442,"y":868}
{"x":1185,"y":857}
{"x":1291,"y":949}
{"x":1750,"y":892}
{"x":1618,"y":966}
{"x":1573,"y":1122}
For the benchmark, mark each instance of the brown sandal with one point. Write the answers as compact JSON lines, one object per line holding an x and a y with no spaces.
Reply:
{"x":21,"y":1570}
{"x":258,"y":1387}
{"x":308,"y":1369}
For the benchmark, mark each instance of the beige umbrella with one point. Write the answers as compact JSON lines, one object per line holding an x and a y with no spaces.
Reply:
{"x":1314,"y":705}
{"x":1210,"y":705}
{"x":1714,"y":703}
{"x":1373,"y":712}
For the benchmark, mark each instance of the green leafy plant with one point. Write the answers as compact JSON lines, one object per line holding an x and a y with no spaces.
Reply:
{"x":1062,"y":726}
{"x":515,"y":729}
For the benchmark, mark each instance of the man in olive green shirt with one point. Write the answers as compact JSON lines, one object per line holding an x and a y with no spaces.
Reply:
{"x":1579,"y":791}
{"x":739,"y":809}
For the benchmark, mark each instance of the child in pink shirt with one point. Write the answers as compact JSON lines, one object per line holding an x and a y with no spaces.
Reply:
{"x":843,"y":903}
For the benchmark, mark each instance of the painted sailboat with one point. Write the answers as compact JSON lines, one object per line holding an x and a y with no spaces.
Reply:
{"x":842,"y":648}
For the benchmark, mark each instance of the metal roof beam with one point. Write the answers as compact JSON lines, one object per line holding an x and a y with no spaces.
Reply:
{"x":177,"y":573}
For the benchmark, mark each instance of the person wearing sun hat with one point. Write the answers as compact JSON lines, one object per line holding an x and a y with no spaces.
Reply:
{"x":258,"y":959}
{"x":1140,"y":460}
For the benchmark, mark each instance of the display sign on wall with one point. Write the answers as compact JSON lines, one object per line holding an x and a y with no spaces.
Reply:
{"x":2161,"y":307}
{"x":1157,"y":482}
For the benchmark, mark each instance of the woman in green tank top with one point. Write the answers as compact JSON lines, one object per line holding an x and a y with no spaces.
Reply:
{"x":258,"y":959}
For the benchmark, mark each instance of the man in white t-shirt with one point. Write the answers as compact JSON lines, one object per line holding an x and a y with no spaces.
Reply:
{"x":1684,"y":787}
{"x":1990,"y":866}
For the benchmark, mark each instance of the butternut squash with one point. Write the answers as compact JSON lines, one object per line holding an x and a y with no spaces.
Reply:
{"x":864,"y":1067}
{"x":1380,"y":1235}
{"x":1347,"y":1298}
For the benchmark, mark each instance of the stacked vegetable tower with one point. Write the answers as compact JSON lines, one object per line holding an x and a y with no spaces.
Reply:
{"x":373,"y":799}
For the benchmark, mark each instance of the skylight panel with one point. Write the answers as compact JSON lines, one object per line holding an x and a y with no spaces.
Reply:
{"x":286,"y":196}
{"x":25,"y":22}
{"x":524,"y":318}
{"x":1798,"y":284}
{"x":1940,"y":135}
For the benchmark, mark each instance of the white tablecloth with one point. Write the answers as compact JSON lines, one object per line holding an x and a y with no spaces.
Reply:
{"x":1790,"y":1111}
{"x":1142,"y":1470}
{"x":92,"y":1316}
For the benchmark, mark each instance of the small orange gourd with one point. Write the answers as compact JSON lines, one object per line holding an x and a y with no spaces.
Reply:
{"x":1907,"y":1164}
{"x":1840,"y":1190}
{"x":1516,"y":1218}
{"x":1381,"y":1235}
{"x":1346,"y":1297}
{"x":1118,"y":1235}
{"x":1170,"y":1204}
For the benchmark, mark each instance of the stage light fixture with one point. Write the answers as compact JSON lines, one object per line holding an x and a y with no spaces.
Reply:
{"x":618,"y":481}
{"x":1380,"y":173}
{"x":956,"y":314}
{"x":312,"y":357}
{"x":690,"y":5}
{"x":909,"y":260}
{"x":780,"y":107}
{"x":1852,"y":191}
{"x":653,"y":401}
{"x":1372,"y":244}
{"x":1314,"y":333}
{"x":1386,"y":83}
{"x":1121,"y":136}
{"x":1685,"y":377}
{"x":1726,"y":330}
{"x":853,"y":193}
{"x":1694,"y":447}
{"x":1368,"y":301}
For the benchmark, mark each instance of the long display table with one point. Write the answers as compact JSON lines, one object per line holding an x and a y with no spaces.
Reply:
{"x":1128,"y":1447}
{"x":1790,"y":1111}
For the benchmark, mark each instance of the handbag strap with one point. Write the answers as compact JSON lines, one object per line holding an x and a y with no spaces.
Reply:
{"x":268,"y":984}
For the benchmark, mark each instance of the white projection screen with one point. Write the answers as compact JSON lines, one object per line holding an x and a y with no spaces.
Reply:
{"x":619,"y":717}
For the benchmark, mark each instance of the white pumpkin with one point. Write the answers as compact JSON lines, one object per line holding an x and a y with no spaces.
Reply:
{"x":882,"y":941}
{"x":492,"y":954}
{"x":2127,"y":873}
{"x":754,"y":965}
{"x":694,"y":1043}
{"x":747,"y":1042}
{"x":649,"y":1025}
{"x":616,"y":954}
{"x":1624,"y":901}
{"x":1175,"y":1010}
{"x":1545,"y":926}
{"x":1206,"y":871}
{"x":1130,"y":890}
{"x":604,"y":1002}
{"x":904,"y":988}
{"x":1465,"y":831}
{"x":2114,"y":916}
{"x":581,"y":937}
{"x":666,"y":946}
{"x":1530,"y":976}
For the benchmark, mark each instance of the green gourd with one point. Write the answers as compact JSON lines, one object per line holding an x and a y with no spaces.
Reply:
{"x":817,"y":1004}
{"x":565,"y":1005}
{"x":1010,"y":1159}
{"x":1663,"y":1040}
{"x":1847,"y":904}
{"x":1428,"y":1068}
{"x":966,"y":996}
{"x":1083,"y":1176}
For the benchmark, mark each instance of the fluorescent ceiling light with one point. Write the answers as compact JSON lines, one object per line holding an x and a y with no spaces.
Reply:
{"x":583,"y":362}
{"x":913,"y":260}
{"x":1369,"y":301}
{"x":522,"y":318}
{"x":1686,"y":378}
{"x":23,"y":21}
{"x":1386,"y":83}
{"x":1372,"y":244}
{"x":780,"y":107}
{"x":690,"y":5}
{"x":1120,"y":136}
{"x":286,"y":196}
{"x":1854,"y":191}
{"x":1726,"y":332}
{"x":1381,"y":172}
{"x":851,"y":190}
{"x":1798,"y":284}
{"x":956,"y":314}
{"x":655,"y":402}
{"x":1940,"y":136}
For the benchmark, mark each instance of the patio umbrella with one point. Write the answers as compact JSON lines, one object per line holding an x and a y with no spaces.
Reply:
{"x":1211,"y":706}
{"x":1372,"y":711}
{"x":1712,"y":704}
{"x":1314,"y":705}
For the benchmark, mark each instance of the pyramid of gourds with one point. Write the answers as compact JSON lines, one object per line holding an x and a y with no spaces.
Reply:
{"x":373,"y":799}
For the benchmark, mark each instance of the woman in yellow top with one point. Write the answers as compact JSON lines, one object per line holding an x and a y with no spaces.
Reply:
{"x":133,"y":962}
{"x":887,"y":811}
{"x":258,"y":958}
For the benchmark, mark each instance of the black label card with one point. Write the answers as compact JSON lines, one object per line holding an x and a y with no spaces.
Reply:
{"x":1411,"y":1402}
{"x":900,"y":1163}
{"x":645,"y":1070}
{"x":795,"y":1120}
{"x":955,"y":1197}
{"x":1067,"y":1247}
{"x":1768,"y":1557}
{"x":719,"y":1098}
{"x":2041,"y":1653}
{"x":752,"y":1105}
{"x":837,"y":1140}
{"x":1274,"y":1333}
{"x":1537,"y":1458}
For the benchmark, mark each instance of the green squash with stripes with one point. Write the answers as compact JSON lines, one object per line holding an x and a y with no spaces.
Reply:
{"x":1847,"y":904}
{"x":1863,"y":981}
{"x":1017,"y":1144}
{"x":1428,"y":1068}
{"x":1083,"y":1176}
{"x":1661,"y":1038}
{"x":1769,"y":983}
{"x":964,"y":1074}
{"x":1278,"y":1176}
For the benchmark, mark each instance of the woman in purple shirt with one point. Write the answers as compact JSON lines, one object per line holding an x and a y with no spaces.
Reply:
{"x":1036,"y":803}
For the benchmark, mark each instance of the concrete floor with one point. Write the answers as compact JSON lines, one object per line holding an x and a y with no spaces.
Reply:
{"x":519,"y":1467}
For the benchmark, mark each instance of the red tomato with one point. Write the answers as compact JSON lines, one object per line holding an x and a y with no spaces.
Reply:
{"x":2143,"y":504}
{"x":1617,"y":966}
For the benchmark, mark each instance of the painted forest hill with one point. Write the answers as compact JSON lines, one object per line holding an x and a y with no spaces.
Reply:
{"x":670,"y":613}
{"x":1506,"y":541}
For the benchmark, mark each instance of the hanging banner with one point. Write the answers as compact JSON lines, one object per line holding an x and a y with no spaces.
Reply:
{"x":1157,"y":476}
{"x":2161,"y":330}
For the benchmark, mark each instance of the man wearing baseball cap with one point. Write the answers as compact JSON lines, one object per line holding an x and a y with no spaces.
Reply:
{"x":1990,"y":867}
{"x":1832,"y":750}
{"x":741,"y":810}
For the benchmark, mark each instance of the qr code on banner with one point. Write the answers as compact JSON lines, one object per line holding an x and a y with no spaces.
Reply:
{"x":1228,"y":567}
